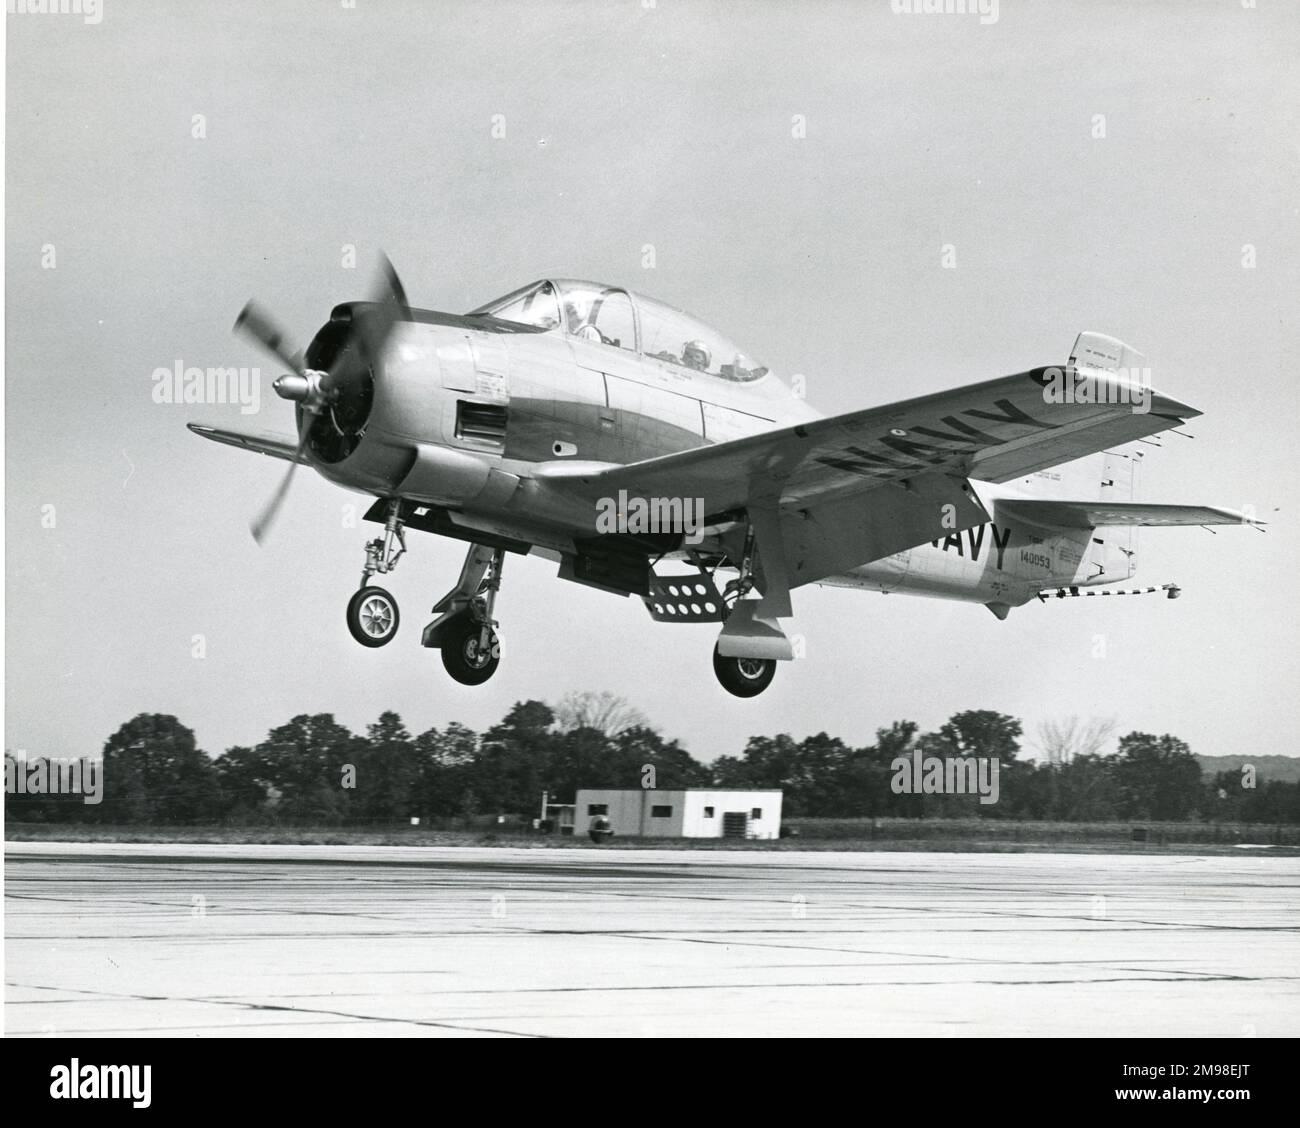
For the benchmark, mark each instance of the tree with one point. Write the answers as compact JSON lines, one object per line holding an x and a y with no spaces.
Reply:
{"x":315,"y":764}
{"x":1063,"y":739}
{"x":154,"y":772}
{"x":635,"y":749}
{"x":1087,"y":789}
{"x":982,"y":732}
{"x":510,"y":770}
{"x":389,"y":772}
{"x":605,"y":712}
{"x":812,"y":773}
{"x":867,"y":779}
{"x":1157,"y":778}
{"x":445,"y":761}
{"x":246,"y":783}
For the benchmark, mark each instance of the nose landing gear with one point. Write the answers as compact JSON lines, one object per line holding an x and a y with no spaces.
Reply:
{"x":372,"y":616}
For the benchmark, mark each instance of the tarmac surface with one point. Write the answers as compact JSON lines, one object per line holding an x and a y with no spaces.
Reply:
{"x":186,"y":940}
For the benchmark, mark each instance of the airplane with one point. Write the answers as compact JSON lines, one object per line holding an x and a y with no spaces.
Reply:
{"x":618,"y":436}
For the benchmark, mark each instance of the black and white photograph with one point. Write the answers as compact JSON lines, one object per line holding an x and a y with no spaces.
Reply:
{"x":652,"y":519}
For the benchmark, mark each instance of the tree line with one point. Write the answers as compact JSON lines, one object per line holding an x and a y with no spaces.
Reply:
{"x":315,"y":771}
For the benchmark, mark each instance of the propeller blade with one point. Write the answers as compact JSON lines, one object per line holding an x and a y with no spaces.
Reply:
{"x":256,"y":323}
{"x":390,"y":307}
{"x":264,"y":520}
{"x":394,"y":292}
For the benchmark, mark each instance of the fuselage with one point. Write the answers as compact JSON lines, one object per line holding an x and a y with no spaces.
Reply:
{"x":465,"y":409}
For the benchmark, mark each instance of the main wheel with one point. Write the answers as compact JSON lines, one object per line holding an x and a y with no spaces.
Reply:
{"x":372,"y":616}
{"x":745,"y":677}
{"x":467,"y":661}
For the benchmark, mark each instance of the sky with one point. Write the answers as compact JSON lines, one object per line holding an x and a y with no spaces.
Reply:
{"x":797,"y":169}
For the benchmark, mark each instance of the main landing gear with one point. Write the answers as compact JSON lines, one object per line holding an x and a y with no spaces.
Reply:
{"x":742,"y":677}
{"x":751,"y":641}
{"x":465,"y":632}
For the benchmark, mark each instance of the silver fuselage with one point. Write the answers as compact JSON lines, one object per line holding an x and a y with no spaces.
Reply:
{"x":467,"y":409}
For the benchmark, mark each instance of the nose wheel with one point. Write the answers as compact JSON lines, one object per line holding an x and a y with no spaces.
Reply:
{"x":372,"y":611}
{"x":743,"y":677}
{"x":373,"y":616}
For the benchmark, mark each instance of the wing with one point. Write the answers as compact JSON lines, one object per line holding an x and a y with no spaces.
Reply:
{"x":1091,"y":514}
{"x":260,"y":442}
{"x":856,"y":487}
{"x":994,"y":431}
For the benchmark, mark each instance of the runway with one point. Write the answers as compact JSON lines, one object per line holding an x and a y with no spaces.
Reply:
{"x":330,"y":940}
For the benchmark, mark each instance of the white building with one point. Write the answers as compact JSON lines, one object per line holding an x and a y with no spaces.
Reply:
{"x":651,"y":813}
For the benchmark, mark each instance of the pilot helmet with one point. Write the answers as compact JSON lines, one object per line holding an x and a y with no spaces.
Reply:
{"x":695,"y":354}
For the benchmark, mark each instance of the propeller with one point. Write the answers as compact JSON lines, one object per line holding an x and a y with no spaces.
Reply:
{"x":343,"y":391}
{"x":261,"y":524}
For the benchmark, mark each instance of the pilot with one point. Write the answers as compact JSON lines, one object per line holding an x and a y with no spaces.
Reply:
{"x":600,"y":829}
{"x":696,"y":355}
{"x":579,"y":324}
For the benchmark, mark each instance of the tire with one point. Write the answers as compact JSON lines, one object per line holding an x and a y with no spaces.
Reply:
{"x":461,"y":657}
{"x":743,"y":677}
{"x":373,"y":617}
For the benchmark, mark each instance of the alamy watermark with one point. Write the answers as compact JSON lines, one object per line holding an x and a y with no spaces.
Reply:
{"x":641,"y":516}
{"x":75,"y":1081}
{"x":919,"y":774}
{"x":987,"y":10}
{"x":182,"y":384}
{"x":52,"y":775}
{"x":91,"y":11}
{"x":1120,"y":385}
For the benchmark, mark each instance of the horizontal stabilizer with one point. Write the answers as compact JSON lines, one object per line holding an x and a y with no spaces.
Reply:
{"x":1092,"y":514}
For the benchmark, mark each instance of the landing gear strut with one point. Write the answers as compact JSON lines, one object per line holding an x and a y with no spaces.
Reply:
{"x":372,"y":612}
{"x":752,"y":641}
{"x":465,"y":632}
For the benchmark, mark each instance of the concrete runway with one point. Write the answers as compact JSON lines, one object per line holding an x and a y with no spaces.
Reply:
{"x":284,"y":940}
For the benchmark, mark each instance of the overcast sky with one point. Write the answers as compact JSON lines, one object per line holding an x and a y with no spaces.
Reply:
{"x":625,"y":125}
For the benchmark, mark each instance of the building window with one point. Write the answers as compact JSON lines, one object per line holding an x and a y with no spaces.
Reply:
{"x":597,"y":809}
{"x":708,"y":812}
{"x":757,"y":813}
{"x":661,"y":812}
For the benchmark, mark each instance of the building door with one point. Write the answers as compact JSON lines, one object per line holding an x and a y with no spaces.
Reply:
{"x":735,"y":824}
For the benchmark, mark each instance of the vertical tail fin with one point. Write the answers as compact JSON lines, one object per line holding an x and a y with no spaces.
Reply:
{"x":1113,"y":551}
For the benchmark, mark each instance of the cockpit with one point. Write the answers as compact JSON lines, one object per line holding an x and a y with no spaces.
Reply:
{"x":621,"y":319}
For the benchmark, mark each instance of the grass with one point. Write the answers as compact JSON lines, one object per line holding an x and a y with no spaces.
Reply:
{"x":930,"y":835}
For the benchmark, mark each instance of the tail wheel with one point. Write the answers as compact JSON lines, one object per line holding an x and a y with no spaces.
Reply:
{"x":373,"y":616}
{"x":466,"y":658}
{"x":744,"y":677}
